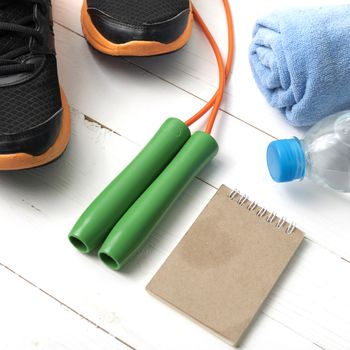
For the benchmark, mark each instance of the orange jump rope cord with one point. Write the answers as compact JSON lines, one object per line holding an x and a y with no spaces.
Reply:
{"x":224,"y":72}
{"x":229,"y":62}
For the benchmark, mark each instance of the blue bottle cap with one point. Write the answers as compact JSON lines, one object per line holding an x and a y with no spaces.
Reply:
{"x":286,"y":160}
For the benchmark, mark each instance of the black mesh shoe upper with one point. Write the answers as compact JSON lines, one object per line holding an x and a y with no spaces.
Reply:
{"x":140,"y":12}
{"x":30,"y":101}
{"x":12,"y":14}
{"x":121,"y":21}
{"x":25,"y":106}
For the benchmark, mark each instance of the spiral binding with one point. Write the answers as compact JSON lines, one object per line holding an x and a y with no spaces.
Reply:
{"x":281,"y":223}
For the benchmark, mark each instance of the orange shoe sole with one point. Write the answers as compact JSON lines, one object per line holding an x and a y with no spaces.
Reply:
{"x":20,"y":161}
{"x":132,"y":48}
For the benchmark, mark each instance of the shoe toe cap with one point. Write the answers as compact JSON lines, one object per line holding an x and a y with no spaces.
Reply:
{"x":34,"y":141}
{"x":119,"y":32}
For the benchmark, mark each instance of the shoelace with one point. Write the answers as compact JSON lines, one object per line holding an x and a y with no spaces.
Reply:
{"x":9,"y":61}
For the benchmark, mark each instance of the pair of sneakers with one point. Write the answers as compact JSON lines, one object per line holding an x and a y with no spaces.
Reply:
{"x":34,"y":114}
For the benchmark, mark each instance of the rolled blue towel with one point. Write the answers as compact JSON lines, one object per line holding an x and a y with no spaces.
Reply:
{"x":300,"y":59}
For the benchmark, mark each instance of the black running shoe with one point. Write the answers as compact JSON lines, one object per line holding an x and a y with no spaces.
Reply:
{"x":137,"y":27}
{"x":34,"y":115}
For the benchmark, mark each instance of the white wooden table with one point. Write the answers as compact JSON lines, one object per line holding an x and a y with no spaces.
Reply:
{"x":55,"y":298}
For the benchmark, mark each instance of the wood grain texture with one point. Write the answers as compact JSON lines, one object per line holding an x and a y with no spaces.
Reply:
{"x":194,"y":68}
{"x":35,"y":320}
{"x":134,"y":103}
{"x":131,"y":97}
{"x":45,"y":203}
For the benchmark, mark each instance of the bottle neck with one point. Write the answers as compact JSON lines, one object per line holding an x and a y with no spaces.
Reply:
{"x":305,"y":158}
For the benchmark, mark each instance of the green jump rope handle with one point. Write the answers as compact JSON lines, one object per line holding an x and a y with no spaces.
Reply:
{"x":99,"y":218}
{"x":137,"y":223}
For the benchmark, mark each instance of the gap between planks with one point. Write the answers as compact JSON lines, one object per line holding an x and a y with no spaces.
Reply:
{"x":90,"y":119}
{"x":65,"y":305}
{"x":172,"y":84}
{"x":293,"y":330}
{"x":193,"y":95}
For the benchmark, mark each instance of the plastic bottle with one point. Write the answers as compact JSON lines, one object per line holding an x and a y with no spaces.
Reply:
{"x":323,"y":155}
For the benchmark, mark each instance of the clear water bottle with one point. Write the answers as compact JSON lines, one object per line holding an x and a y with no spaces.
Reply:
{"x":323,"y":155}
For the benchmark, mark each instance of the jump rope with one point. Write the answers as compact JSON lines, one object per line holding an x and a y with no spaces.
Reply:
{"x":125,"y":213}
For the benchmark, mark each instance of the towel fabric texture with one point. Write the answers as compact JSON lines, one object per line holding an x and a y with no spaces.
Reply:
{"x":300,"y":59}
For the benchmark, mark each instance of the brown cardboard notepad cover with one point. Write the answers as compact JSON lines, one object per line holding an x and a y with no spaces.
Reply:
{"x":225,"y":266}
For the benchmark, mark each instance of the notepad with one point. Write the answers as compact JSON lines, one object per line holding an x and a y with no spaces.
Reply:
{"x":224,"y":268}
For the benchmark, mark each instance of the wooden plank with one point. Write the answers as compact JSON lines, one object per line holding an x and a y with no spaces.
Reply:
{"x":134,"y":103}
{"x":309,"y":308}
{"x":44,"y":203}
{"x":30,"y":319}
{"x":194,"y":68}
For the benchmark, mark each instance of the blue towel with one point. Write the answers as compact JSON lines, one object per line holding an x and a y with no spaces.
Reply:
{"x":301,"y":61}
